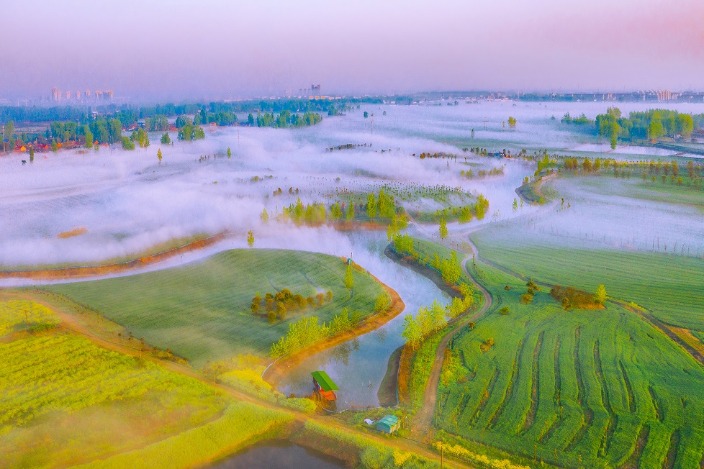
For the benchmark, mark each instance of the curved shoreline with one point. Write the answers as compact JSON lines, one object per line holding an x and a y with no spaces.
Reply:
{"x":279,"y":368}
{"x":64,"y":273}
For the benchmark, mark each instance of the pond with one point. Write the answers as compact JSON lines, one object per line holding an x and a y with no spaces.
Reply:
{"x":279,"y":455}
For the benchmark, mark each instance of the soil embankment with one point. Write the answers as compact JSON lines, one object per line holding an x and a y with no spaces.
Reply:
{"x":388,"y":389}
{"x":75,"y":272}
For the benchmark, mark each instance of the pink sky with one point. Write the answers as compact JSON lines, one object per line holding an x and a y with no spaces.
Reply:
{"x":219,"y":49}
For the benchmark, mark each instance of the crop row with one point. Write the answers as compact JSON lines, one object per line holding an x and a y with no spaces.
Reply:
{"x":596,"y":388}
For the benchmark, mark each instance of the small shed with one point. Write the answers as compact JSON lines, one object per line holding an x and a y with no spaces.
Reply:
{"x":324,"y":386}
{"x":388,"y":424}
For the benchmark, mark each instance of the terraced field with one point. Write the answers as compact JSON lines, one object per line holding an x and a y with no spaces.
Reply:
{"x":669,"y":286}
{"x":201,"y":311}
{"x":597,"y":388}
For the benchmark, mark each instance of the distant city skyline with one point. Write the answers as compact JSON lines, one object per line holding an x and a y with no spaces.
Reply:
{"x":176,"y":50}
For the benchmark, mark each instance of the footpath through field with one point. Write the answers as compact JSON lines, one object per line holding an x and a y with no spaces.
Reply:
{"x":422,"y":427}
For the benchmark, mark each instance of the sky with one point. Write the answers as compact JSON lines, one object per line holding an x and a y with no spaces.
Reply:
{"x":173,"y":49}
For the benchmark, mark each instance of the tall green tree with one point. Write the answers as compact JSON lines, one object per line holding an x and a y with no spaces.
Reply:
{"x":600,"y":295}
{"x":88,"y":136}
{"x":411,"y":331}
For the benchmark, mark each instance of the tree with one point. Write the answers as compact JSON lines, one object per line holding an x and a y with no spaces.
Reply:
{"x":8,"y":130}
{"x":31,"y":154}
{"x":264,"y":216}
{"x":166,"y":139}
{"x":366,"y":114}
{"x":159,"y":155}
{"x":250,"y":238}
{"x":350,"y":212}
{"x":411,"y":331}
{"x":655,"y":129}
{"x":685,"y":125}
{"x":229,"y":152}
{"x":600,"y":295}
{"x":371,"y":206}
{"x":512,"y":122}
{"x":127,"y":144}
{"x":88,"y":136}
{"x":349,"y":277}
{"x":114,"y":131}
{"x":443,"y":229}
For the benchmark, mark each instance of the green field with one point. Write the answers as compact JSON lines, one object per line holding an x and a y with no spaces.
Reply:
{"x":201,"y":311}
{"x":580,"y":388}
{"x":669,"y":286}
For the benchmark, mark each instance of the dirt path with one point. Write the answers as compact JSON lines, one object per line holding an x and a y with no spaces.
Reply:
{"x":422,"y":428}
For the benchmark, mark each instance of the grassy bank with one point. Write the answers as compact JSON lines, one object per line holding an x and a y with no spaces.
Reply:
{"x":201,"y":311}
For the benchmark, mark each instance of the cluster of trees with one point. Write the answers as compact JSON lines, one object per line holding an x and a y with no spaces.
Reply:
{"x":284,"y":119}
{"x":189,"y":132}
{"x":692,"y":171}
{"x":512,"y":122}
{"x":140,"y":137}
{"x":434,"y":318}
{"x":309,"y":214}
{"x":581,"y":120}
{"x":277,"y":306}
{"x":441,"y":154}
{"x":449,"y":268}
{"x":128,"y":114}
{"x":97,"y":131}
{"x":469,"y":174}
{"x":651,"y":125}
{"x":379,"y":206}
{"x":309,"y":330}
{"x":427,"y":321}
{"x":462,"y":213}
{"x":570,"y":297}
{"x":527,"y":297}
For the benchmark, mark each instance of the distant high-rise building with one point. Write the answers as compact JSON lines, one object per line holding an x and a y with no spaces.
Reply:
{"x":55,"y":94}
{"x":88,"y":93}
{"x":78,"y":94}
{"x":68,"y":95}
{"x":664,"y":95}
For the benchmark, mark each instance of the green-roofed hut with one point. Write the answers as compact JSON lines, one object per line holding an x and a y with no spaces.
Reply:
{"x":388,"y":424}
{"x":324,"y":386}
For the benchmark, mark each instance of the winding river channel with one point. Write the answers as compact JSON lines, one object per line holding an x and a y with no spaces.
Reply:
{"x":359,"y":366}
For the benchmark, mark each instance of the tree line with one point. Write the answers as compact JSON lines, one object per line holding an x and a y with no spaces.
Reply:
{"x":641,"y":125}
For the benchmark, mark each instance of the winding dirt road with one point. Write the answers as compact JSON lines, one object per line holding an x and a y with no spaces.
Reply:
{"x":422,"y":427}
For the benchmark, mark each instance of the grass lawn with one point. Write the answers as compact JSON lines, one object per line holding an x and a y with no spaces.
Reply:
{"x":201,"y":311}
{"x":594,"y":388}
{"x":669,"y":286}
